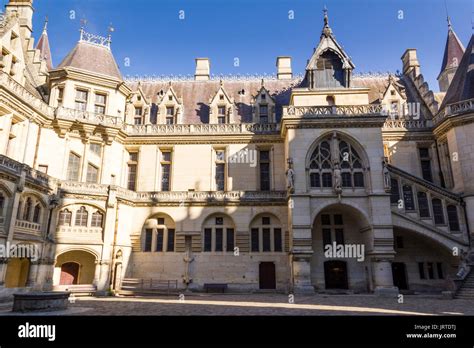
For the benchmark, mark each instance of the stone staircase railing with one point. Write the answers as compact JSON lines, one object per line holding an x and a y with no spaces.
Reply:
{"x":427,"y":205}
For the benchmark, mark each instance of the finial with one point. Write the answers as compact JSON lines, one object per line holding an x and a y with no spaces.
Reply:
{"x":326,"y":19}
{"x":110,"y":29}
{"x":449,"y":23}
{"x":45,"y":28}
{"x":263,"y":83}
{"x":221,"y":82}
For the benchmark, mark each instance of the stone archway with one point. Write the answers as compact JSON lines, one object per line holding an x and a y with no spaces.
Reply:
{"x":340,"y":243}
{"x":75,"y":267}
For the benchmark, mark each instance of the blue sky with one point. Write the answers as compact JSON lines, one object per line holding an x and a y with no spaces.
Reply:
{"x":156,"y":41}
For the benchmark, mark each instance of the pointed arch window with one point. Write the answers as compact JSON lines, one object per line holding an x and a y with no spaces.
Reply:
{"x":2,"y":204}
{"x":453,"y":218}
{"x":322,"y":161}
{"x":65,"y":217}
{"x":81,"y":217}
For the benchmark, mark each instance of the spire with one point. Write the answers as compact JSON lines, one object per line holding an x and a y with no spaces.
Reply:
{"x":43,"y":46}
{"x":453,"y":52}
{"x":326,"y":29}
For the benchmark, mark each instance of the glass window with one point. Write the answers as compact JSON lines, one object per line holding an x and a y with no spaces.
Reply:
{"x":166,"y":171}
{"x":100,"y":103}
{"x":36,"y":213}
{"x":97,"y":219}
{"x":81,"y":100}
{"x":423,"y":206}
{"x":92,"y":173}
{"x":132,"y":171}
{"x":65,"y":217}
{"x":74,"y":163}
{"x":81,"y":217}
{"x":453,"y":218}
{"x":438,"y":211}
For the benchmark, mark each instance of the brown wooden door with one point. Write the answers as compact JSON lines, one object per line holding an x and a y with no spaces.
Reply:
{"x":335,"y":274}
{"x":267,"y":276}
{"x":69,"y":273}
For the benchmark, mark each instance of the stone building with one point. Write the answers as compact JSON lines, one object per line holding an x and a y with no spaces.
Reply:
{"x":244,"y":181}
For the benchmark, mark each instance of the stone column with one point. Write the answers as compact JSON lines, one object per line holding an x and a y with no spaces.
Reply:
{"x":103,"y":280}
{"x":33,"y":275}
{"x":96,"y":274}
{"x":3,"y":270}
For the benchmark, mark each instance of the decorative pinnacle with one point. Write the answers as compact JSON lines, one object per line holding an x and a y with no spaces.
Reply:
{"x":45,"y":28}
{"x":326,"y":29}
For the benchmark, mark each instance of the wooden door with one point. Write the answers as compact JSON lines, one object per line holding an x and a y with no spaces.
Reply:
{"x":399,"y":274}
{"x":267,"y":275}
{"x":69,"y":273}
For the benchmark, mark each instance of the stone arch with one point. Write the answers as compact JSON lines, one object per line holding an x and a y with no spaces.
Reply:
{"x":334,"y":203}
{"x":218,"y":232}
{"x":158,"y":233}
{"x":4,"y":189}
{"x":84,"y":273}
{"x":79,"y":204}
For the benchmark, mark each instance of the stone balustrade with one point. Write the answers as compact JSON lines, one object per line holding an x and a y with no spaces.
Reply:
{"x":398,"y":124}
{"x":202,"y":129}
{"x":69,"y":234}
{"x":334,"y":110}
{"x":454,"y":109}
{"x":87,"y":116}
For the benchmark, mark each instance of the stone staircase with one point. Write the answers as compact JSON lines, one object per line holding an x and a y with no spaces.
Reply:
{"x":466,"y":290}
{"x":147,"y":287}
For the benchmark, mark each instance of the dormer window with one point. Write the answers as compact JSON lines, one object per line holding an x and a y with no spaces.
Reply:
{"x":170,"y":114}
{"x":170,"y":98}
{"x":221,"y":114}
{"x":100,"y":102}
{"x":221,"y":97}
{"x":263,"y":112}
{"x":138,"y":115}
{"x":81,"y":100}
{"x":264,"y":96}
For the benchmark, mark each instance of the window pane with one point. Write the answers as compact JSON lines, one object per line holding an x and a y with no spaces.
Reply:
{"x":170,"y":244}
{"x":230,"y":239}
{"x":423,"y":204}
{"x":255,"y":239}
{"x":278,"y":239}
{"x":326,"y":237}
{"x":338,"y":219}
{"x":73,"y":167}
{"x":394,"y":191}
{"x":346,"y":180}
{"x":148,"y":239}
{"x":359,"y":179}
{"x":266,"y":239}
{"x":453,"y":218}
{"x":132,"y":177}
{"x":325,"y":219}
{"x":264,"y":176}
{"x":339,"y":236}
{"x":437,"y":211}
{"x":207,"y":239}
{"x":159,"y":239}
{"x":92,"y":174}
{"x":408,"y":197}
{"x":314,"y":180}
{"x":165,"y":177}
{"x":439,"y":267}
{"x":219,"y":239}
{"x":430,"y":270}
{"x":96,"y":220}
{"x":264,"y":156}
{"x":166,"y":156}
{"x":327,"y":180}
{"x":220,"y":176}
{"x":265,"y":220}
{"x":426,"y":170}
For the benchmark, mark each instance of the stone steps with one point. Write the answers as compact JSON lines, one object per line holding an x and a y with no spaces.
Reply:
{"x":466,"y":291}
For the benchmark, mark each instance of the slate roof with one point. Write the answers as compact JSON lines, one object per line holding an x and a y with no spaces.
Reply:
{"x":453,"y":50}
{"x":462,"y":85}
{"x":93,"y":58}
{"x":196,"y":94}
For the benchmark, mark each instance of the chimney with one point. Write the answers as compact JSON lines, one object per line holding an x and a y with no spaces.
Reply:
{"x":203,"y":69}
{"x":24,"y":8}
{"x":410,"y":62}
{"x":283,"y":64}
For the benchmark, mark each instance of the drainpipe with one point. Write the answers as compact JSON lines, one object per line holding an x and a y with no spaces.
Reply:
{"x":112,"y":269}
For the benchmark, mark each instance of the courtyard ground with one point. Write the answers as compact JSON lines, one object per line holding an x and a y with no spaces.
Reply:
{"x":262,"y":304}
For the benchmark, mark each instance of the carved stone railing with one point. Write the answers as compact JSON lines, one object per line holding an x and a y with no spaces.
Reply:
{"x":413,"y":197}
{"x":84,"y":188}
{"x":211,"y":196}
{"x":92,"y":117}
{"x":69,"y":234}
{"x":26,"y":96}
{"x":202,"y":129}
{"x":10,"y":165}
{"x":454,"y":109}
{"x":391,"y":124}
{"x":335,"y":110}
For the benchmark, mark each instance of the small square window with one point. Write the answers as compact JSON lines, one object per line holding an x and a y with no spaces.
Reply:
{"x":264,"y":96}
{"x":161,"y":221}
{"x":338,"y":219}
{"x":221,"y":97}
{"x":170,"y":97}
{"x":166,"y":156}
{"x":325,"y":219}
{"x":266,"y":220}
{"x":219,"y":220}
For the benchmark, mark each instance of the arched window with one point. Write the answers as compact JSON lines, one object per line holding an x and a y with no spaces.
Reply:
{"x":97,"y":218}
{"x":218,"y":234}
{"x":266,"y":234}
{"x":423,"y":207}
{"x":37,"y":213}
{"x":65,"y":217}
{"x":394,"y":191}
{"x":322,"y":162}
{"x":18,"y":212}
{"x":81,"y":217}
{"x":438,"y":213}
{"x":27,"y":209}
{"x":453,"y":218}
{"x":159,"y":234}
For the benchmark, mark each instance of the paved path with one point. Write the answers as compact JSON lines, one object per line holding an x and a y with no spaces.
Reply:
{"x":265,"y":304}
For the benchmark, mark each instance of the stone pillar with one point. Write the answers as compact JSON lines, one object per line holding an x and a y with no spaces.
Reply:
{"x":3,"y":270}
{"x":382,"y":276}
{"x":103,"y":280}
{"x":301,"y":270}
{"x":96,"y":274}
{"x":33,"y":275}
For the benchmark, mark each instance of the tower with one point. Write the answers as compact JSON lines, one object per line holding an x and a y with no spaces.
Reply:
{"x":24,"y":10}
{"x":453,"y":53}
